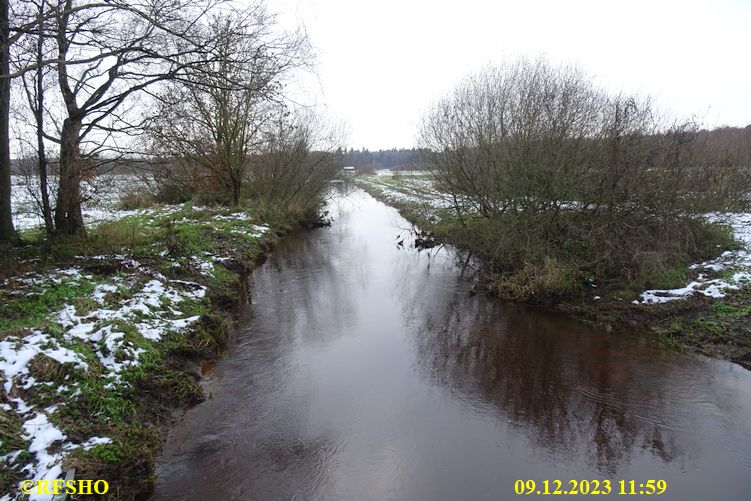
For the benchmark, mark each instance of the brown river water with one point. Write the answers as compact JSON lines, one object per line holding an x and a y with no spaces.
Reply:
{"x":362,"y":370}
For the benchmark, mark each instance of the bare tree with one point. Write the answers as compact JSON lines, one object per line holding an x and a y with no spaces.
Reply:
{"x":25,"y":21}
{"x":215,"y":116}
{"x":7,"y":231}
{"x":107,"y":54}
{"x":293,"y":174}
{"x":32,"y":51}
{"x":512,"y":136}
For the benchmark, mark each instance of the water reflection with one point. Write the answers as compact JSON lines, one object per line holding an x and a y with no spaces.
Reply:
{"x":571,"y":394}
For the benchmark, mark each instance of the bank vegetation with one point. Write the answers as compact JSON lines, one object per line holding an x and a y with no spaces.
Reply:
{"x":555,"y":183}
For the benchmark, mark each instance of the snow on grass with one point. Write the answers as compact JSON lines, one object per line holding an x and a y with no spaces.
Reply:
{"x":412,"y":191}
{"x":433,"y":201}
{"x":739,"y":222}
{"x":100,"y":292}
{"x":716,"y":288}
{"x":734,"y":265}
{"x":397,"y":173}
{"x":235,"y":216}
{"x":254,"y":231}
{"x":31,"y":283}
{"x":152,"y":308}
{"x":101,"y":204}
{"x":97,"y":327}
{"x":16,"y":353}
{"x":43,"y":435}
{"x":205,"y":267}
{"x":102,"y":196}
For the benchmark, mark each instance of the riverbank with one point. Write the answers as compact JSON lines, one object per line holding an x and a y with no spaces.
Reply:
{"x":703,"y":307}
{"x":102,"y":340}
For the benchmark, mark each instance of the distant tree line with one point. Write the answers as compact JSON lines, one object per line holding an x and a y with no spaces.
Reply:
{"x":405,"y":159}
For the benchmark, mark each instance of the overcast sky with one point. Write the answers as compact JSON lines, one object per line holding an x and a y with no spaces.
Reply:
{"x":381,"y":63}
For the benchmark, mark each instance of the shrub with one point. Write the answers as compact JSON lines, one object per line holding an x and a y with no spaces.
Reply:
{"x":171,"y":191}
{"x":556,"y":180}
{"x":136,"y":200}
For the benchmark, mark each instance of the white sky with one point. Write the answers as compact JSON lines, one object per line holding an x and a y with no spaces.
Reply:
{"x":381,"y":63}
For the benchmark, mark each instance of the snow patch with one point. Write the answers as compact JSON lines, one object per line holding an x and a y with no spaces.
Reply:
{"x":16,"y":353}
{"x":716,"y":288}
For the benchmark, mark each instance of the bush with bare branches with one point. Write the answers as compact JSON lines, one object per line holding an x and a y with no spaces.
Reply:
{"x":554,"y":180}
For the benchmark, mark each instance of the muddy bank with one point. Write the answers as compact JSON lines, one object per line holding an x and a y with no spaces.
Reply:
{"x":715,"y":328}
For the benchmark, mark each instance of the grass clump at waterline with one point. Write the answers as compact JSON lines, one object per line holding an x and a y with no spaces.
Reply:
{"x":527,"y":259}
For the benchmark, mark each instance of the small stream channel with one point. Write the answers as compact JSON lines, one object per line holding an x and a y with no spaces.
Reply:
{"x":362,"y":370}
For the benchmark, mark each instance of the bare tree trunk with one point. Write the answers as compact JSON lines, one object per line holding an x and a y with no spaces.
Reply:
{"x":236,"y":185}
{"x":68,"y":217}
{"x":39,"y":112}
{"x":7,"y":231}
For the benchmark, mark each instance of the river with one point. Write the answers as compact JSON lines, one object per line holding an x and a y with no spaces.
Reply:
{"x":364,"y":370}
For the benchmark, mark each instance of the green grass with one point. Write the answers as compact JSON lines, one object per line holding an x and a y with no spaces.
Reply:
{"x":22,"y":311}
{"x":667,"y":278}
{"x":708,"y":322}
{"x":109,"y":453}
{"x":710,"y":328}
{"x":10,"y":432}
{"x":724,"y":309}
{"x":11,"y":440}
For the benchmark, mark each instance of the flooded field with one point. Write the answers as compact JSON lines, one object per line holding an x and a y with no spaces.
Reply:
{"x":362,"y":369}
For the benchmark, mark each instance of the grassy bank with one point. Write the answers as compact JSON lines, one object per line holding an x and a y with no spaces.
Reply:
{"x":102,"y":339}
{"x":697,"y":303}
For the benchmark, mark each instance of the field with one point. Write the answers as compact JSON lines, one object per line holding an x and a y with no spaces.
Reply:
{"x":102,"y":199}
